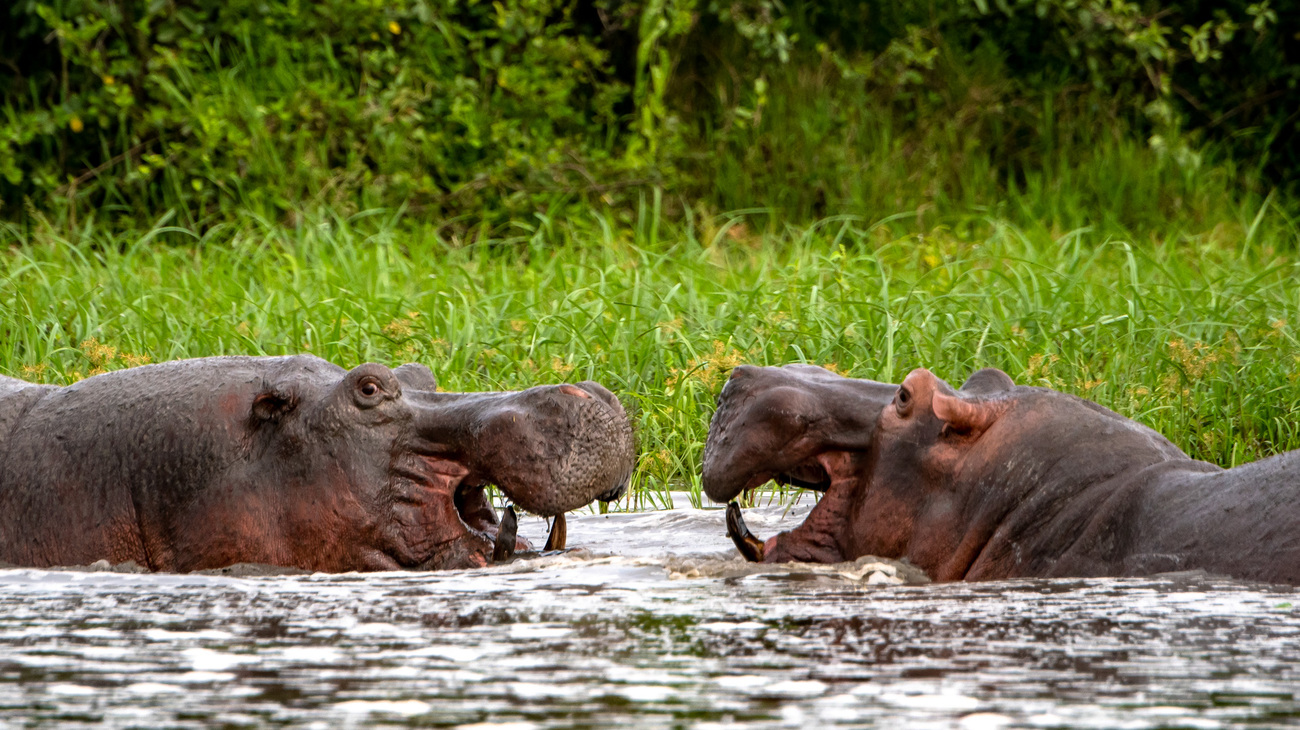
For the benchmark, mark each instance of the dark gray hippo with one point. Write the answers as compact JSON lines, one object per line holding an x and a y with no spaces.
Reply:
{"x":991,"y":481}
{"x":292,"y":461}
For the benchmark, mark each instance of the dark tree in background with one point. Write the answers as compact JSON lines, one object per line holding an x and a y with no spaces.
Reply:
{"x":479,"y":112}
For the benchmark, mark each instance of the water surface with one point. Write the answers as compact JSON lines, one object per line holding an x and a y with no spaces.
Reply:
{"x":599,"y":641}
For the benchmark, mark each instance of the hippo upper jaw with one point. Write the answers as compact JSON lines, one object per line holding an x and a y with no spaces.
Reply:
{"x":777,"y":422}
{"x":549,"y":450}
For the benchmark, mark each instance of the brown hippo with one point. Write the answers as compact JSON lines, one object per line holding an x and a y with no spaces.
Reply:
{"x":291,"y":461}
{"x":991,"y":481}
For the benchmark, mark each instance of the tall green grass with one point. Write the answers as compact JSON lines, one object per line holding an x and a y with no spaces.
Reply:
{"x":1192,"y":334}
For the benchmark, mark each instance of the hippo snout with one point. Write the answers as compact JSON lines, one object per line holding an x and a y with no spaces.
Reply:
{"x":773,"y":422}
{"x":556,"y":448}
{"x":602,"y":393}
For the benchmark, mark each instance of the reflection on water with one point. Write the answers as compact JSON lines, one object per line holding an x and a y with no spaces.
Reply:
{"x":598,"y":641}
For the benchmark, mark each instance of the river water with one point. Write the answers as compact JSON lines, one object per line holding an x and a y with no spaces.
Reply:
{"x":619,"y":634}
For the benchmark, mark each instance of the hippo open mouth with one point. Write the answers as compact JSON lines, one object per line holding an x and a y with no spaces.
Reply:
{"x":549,"y":450}
{"x":798,"y":425}
{"x":990,"y":481}
{"x":817,"y":539}
{"x":881,"y":454}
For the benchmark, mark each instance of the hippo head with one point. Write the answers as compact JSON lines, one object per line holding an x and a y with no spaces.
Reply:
{"x":917,"y":471}
{"x":294,"y":461}
{"x":406,"y":465}
{"x":777,"y":422}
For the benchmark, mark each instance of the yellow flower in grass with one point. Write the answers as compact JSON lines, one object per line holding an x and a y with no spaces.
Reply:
{"x":98,"y":354}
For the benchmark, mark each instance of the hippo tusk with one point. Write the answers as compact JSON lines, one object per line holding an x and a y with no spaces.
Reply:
{"x":748,"y":545}
{"x":504,"y":548}
{"x":559,"y":534}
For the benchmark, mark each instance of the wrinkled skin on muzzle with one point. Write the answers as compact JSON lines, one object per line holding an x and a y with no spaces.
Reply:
{"x":292,"y":461}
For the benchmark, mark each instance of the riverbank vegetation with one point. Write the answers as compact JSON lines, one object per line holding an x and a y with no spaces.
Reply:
{"x":1095,"y":196}
{"x":1195,"y":336}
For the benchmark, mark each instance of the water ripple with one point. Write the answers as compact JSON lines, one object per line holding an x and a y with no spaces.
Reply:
{"x":625,"y":640}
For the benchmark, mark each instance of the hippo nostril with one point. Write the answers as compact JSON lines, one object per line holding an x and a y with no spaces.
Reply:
{"x":574,"y":390}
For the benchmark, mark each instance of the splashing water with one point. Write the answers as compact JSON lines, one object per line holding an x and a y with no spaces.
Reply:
{"x":615,"y":635}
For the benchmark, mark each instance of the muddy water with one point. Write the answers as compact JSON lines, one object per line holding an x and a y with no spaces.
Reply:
{"x":582,"y":640}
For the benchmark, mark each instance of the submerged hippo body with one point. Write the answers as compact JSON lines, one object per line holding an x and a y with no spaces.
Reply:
{"x":290,"y":461}
{"x":992,"y":481}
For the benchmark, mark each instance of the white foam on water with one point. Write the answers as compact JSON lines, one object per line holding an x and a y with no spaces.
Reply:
{"x":170,"y":636}
{"x":638,"y":675}
{"x":727,"y":626}
{"x":153,"y":688}
{"x":311,"y":655}
{"x":98,"y":634}
{"x":387,"y":707}
{"x":795,"y":688}
{"x":197,"y":677}
{"x":644,"y":692}
{"x":458,"y":654}
{"x":378,"y":630}
{"x":530,"y":631}
{"x":603,"y":637}
{"x":71,"y":690}
{"x":742,"y":682}
{"x":105,"y":653}
{"x":539,"y":691}
{"x":985,"y":721}
{"x":931,"y":702}
{"x":207,"y":660}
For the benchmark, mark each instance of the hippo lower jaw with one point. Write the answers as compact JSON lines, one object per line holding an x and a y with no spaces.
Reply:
{"x":816,"y":540}
{"x":483,"y":539}
{"x":800,"y":545}
{"x":443,"y":521}
{"x":453,"y":523}
{"x":549,"y":450}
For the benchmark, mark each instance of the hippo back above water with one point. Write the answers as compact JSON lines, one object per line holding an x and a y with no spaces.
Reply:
{"x":992,"y":481}
{"x":290,"y":461}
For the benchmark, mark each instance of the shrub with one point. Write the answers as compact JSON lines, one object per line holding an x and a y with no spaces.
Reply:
{"x":475,"y":113}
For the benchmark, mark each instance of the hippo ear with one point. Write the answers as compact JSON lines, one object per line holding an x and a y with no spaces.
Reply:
{"x":960,"y":414}
{"x":272,"y":404}
{"x":415,"y":376}
{"x":987,"y":381}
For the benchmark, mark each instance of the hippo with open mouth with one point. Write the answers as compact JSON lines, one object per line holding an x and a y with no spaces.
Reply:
{"x":293,"y":461}
{"x":991,"y":481}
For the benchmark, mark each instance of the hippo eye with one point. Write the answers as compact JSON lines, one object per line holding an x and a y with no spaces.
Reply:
{"x":904,"y":401}
{"x":369,"y":388}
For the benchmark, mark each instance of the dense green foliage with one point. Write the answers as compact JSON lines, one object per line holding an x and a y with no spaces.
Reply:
{"x":473,"y":114}
{"x":1196,"y":337}
{"x":1096,"y":195}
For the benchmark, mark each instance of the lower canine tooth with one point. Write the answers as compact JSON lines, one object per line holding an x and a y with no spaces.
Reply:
{"x":748,"y":545}
{"x":504,"y":548}
{"x":559,"y":534}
